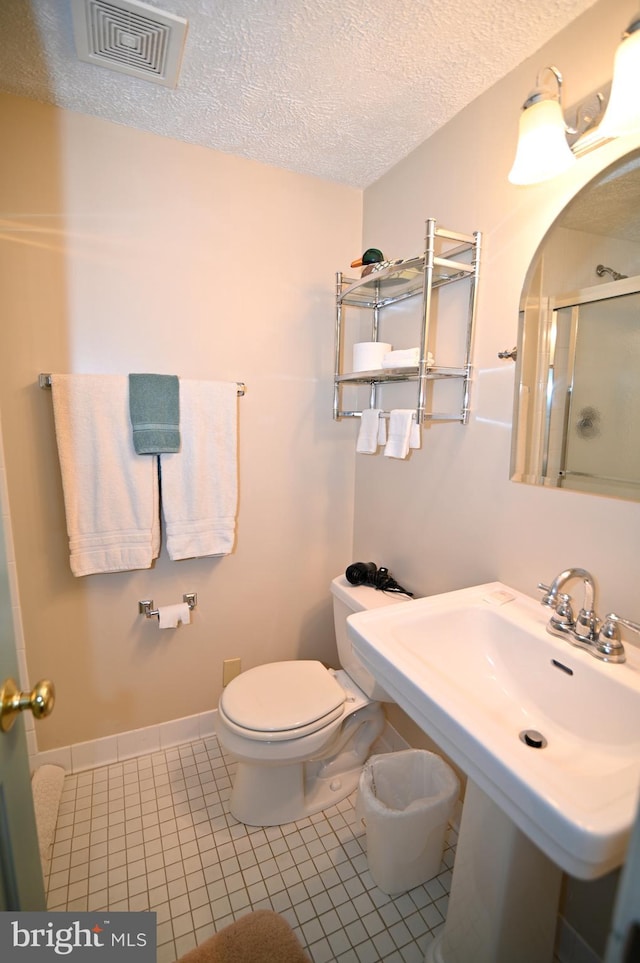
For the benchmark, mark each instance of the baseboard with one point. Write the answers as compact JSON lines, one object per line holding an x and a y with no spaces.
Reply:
{"x":139,"y":742}
{"x":570,"y":947}
{"x":389,"y":741}
{"x":126,"y":745}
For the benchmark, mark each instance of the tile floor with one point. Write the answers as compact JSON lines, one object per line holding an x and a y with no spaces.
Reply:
{"x":154,"y":833}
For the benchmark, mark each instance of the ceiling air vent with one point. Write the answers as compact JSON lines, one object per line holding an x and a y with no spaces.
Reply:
{"x":131,"y":37}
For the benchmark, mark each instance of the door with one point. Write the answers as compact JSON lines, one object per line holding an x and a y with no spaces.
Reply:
{"x":21,"y":883}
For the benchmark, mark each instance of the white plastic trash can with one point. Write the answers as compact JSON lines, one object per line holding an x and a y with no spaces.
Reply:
{"x":405,"y":800}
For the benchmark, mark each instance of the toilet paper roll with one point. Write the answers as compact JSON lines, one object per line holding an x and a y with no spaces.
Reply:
{"x":170,"y":616}
{"x":368,"y":355}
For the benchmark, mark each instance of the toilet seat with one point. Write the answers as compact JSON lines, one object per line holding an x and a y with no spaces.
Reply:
{"x":282,"y":700}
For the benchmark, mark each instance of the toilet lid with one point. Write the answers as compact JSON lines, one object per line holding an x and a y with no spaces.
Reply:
{"x":283,"y":696}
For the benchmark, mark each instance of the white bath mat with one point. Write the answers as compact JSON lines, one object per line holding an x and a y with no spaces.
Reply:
{"x":46,"y":784}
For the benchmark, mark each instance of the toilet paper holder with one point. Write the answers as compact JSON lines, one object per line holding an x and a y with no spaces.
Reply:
{"x":145,"y":607}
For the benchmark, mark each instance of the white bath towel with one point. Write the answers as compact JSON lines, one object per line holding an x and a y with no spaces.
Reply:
{"x":404,"y":433}
{"x":110,"y":492}
{"x":200,"y":484}
{"x":373,"y":431}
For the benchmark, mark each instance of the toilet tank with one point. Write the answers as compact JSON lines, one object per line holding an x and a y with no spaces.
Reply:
{"x":348,"y":599}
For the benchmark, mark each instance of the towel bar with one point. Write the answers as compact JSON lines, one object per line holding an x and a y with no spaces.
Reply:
{"x":44,"y":381}
{"x":145,"y":607}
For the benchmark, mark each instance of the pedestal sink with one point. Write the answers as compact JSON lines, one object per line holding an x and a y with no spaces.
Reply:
{"x":549,"y":738}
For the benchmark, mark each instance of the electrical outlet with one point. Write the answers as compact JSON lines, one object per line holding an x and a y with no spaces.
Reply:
{"x":230,"y":669}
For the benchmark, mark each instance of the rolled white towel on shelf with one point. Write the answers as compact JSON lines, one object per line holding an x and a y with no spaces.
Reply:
{"x":368,"y":355}
{"x":404,"y":358}
{"x":404,"y":433}
{"x":373,"y":431}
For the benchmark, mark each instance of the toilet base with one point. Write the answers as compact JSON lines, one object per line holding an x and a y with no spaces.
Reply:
{"x":272,"y":794}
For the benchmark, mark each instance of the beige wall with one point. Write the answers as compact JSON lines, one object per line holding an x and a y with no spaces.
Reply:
{"x":449,"y":516}
{"x":123,"y":251}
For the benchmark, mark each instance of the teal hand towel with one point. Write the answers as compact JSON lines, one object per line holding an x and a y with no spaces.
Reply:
{"x":154,"y":409}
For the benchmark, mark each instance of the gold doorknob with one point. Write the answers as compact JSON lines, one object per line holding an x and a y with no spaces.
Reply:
{"x":40,"y":700}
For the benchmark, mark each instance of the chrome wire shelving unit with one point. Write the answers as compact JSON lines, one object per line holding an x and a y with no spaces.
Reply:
{"x":419,"y":277}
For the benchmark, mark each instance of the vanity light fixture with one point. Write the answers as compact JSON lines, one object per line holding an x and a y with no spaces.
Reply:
{"x":548,"y":145}
{"x":622,"y":115}
{"x":543,"y":150}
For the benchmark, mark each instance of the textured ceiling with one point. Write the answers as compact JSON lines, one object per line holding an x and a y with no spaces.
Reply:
{"x":342,"y":89}
{"x":609,"y":205}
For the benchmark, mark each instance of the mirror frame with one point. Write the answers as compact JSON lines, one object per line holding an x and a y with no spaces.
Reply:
{"x":535,"y":376}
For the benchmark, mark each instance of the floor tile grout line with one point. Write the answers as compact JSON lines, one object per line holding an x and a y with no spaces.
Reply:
{"x":315,"y":861}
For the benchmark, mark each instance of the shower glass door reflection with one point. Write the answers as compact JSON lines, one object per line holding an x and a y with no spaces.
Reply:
{"x":594,"y":410}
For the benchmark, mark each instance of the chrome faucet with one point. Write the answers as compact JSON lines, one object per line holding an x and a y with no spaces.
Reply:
{"x":601,"y":639}
{"x":585,"y":627}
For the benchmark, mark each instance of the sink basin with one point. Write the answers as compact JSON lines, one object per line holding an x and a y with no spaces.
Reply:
{"x":474,"y":669}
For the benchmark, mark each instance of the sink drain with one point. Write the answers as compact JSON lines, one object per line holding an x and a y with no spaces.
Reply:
{"x":533,"y":738}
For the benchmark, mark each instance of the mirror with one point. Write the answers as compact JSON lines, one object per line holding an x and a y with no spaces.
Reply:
{"x":577,"y":397}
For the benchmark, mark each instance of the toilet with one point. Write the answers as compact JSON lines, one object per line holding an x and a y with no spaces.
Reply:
{"x":299,"y":732}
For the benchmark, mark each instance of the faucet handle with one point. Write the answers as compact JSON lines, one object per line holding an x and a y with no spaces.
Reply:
{"x":549,"y":596}
{"x":618,"y":619}
{"x":609,"y":643}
